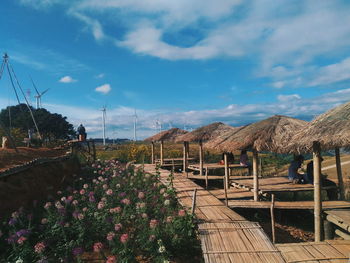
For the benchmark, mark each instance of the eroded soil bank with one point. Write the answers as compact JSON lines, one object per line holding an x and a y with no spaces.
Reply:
{"x":23,"y":188}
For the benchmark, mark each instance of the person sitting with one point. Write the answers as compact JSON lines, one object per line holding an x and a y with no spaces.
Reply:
{"x":309,"y":178}
{"x":81,"y":133}
{"x":243,"y":159}
{"x":293,"y":174}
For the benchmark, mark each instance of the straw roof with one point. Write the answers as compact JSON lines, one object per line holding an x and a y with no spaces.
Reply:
{"x":206,"y":133}
{"x":331,"y":129}
{"x":169,"y":135}
{"x":271,"y":134}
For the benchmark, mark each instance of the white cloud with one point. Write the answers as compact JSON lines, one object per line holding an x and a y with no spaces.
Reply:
{"x":288,"y":98}
{"x":100,"y":76}
{"x":67,"y":79}
{"x":121,"y":118}
{"x":332,"y":73}
{"x":105,"y":88}
{"x":278,"y":84}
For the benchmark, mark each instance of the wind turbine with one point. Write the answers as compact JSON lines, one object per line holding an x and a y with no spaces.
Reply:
{"x":135,"y":125}
{"x":104,"y":124}
{"x":38,"y":96}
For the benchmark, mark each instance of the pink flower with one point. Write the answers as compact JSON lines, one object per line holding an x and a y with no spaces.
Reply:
{"x":117,"y":227}
{"x":100,"y":205}
{"x":75,"y":202}
{"x":21,"y":240}
{"x":105,"y":187}
{"x":85,"y":209}
{"x":162,"y":191}
{"x":44,"y":221}
{"x":124,"y":238}
{"x":111,"y":259}
{"x":47,"y":205}
{"x":110,"y":236}
{"x":126,"y":201}
{"x":39,"y":247}
{"x":144,"y":215}
{"x":70,"y":198}
{"x":98,"y":247}
{"x":182,"y":213}
{"x":153,"y":223}
{"x":80,"y":216}
{"x":85,"y":186}
{"x":109,"y":192}
{"x":117,"y":209}
{"x":82,"y":192}
{"x":169,"y":219}
{"x":141,"y":195}
{"x":152,"y":238}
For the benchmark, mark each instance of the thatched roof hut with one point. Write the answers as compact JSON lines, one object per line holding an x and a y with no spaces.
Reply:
{"x":206,"y":133}
{"x":169,"y":135}
{"x":331,"y":129}
{"x":271,"y":134}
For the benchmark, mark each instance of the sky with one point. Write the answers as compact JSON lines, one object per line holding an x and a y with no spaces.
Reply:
{"x":178,"y":63}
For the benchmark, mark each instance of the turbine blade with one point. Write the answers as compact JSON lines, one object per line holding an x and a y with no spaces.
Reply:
{"x":37,"y":92}
{"x":42,"y":93}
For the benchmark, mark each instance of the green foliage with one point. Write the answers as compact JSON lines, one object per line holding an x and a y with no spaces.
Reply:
{"x":52,"y":126}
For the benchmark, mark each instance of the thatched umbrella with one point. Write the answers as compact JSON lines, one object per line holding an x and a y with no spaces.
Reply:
{"x":203,"y":134}
{"x":330,"y":130}
{"x":271,"y":134}
{"x":168,"y":135}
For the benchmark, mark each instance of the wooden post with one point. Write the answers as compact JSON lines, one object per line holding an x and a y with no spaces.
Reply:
{"x":194,"y":201}
{"x":255,"y":175}
{"x":317,"y":190}
{"x":200,"y":158}
{"x":152,"y":153}
{"x":93,"y":150}
{"x":188,"y":149}
{"x":339,"y":174}
{"x":161,"y":152}
{"x":272,"y":212}
{"x":185,"y":157}
{"x":206,"y":178}
{"x":226,"y":178}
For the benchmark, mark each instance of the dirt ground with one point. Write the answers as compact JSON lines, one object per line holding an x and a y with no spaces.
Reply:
{"x":9,"y":157}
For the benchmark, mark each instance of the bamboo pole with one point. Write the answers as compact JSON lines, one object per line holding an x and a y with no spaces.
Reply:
{"x":272,"y":212}
{"x":161,"y":152}
{"x":188,"y":149}
{"x":185,"y":157}
{"x":255,"y":175}
{"x":206,"y":178}
{"x":317,"y":190}
{"x":226,"y":178}
{"x":152,"y":153}
{"x":194,"y":201}
{"x":339,"y":174}
{"x":200,"y":158}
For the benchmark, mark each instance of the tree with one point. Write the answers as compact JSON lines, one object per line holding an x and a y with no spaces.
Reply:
{"x":52,"y":126}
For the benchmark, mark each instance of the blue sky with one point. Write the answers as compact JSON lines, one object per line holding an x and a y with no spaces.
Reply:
{"x":185,"y":63}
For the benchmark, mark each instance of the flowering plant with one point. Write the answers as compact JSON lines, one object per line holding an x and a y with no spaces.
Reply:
{"x":115,"y":212}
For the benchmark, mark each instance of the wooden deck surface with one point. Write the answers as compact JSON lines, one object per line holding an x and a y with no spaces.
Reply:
{"x":274,"y":184}
{"x":327,"y":251}
{"x":225,"y":235}
{"x":288,"y":205}
{"x":340,"y":217}
{"x":232,"y":193}
{"x":214,"y":166}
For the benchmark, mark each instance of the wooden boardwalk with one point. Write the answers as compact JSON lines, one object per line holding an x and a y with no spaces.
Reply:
{"x":225,"y":235}
{"x":274,"y":185}
{"x":312,"y":252}
{"x":228,"y":237}
{"x":309,"y":205}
